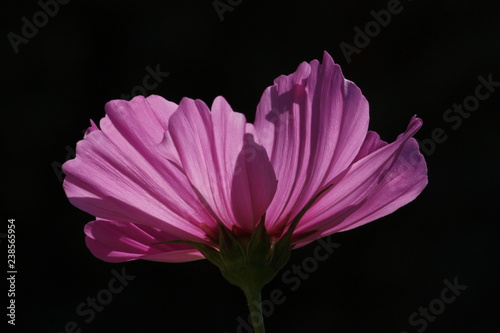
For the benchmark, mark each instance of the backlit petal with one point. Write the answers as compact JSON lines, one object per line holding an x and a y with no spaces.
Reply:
{"x":312,"y":123}
{"x":118,"y":174}
{"x":376,"y":185}
{"x":254,"y":184}
{"x":233,"y":178}
{"x":121,"y":241}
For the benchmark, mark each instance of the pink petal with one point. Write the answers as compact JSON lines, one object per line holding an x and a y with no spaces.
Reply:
{"x":312,"y":124}
{"x":93,"y":127}
{"x":376,"y":185}
{"x":118,"y":174}
{"x":120,"y":241}
{"x":372,"y":142}
{"x":254,"y":184}
{"x":210,"y":146}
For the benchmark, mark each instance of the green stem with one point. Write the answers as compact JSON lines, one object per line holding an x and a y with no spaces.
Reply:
{"x":254,"y":302}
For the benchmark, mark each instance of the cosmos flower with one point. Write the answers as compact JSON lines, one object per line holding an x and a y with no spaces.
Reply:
{"x":177,"y":183}
{"x":156,"y":171}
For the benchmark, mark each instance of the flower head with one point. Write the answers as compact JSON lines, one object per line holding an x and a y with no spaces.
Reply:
{"x":169,"y":182}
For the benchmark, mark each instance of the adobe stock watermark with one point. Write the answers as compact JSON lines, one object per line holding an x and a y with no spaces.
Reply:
{"x":372,"y":29}
{"x":453,"y":116}
{"x":456,"y":114}
{"x":39,"y":19}
{"x":57,"y":166}
{"x":88,"y":309}
{"x":221,"y":7}
{"x":150,"y":81}
{"x":292,"y":278}
{"x":425,"y":315}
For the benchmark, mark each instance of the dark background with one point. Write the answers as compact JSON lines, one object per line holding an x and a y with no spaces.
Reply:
{"x":428,"y":58}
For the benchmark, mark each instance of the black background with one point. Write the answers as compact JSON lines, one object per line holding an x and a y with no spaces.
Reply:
{"x":428,"y":58}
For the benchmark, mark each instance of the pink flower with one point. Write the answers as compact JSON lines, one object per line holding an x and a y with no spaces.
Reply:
{"x":156,"y":171}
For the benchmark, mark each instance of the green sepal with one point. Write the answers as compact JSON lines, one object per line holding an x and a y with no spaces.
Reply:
{"x":283,"y":247}
{"x":245,"y":258}
{"x":231,"y":250}
{"x":260,"y":244}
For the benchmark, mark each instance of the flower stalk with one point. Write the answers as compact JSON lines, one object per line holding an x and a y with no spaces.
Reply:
{"x":254,"y":301}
